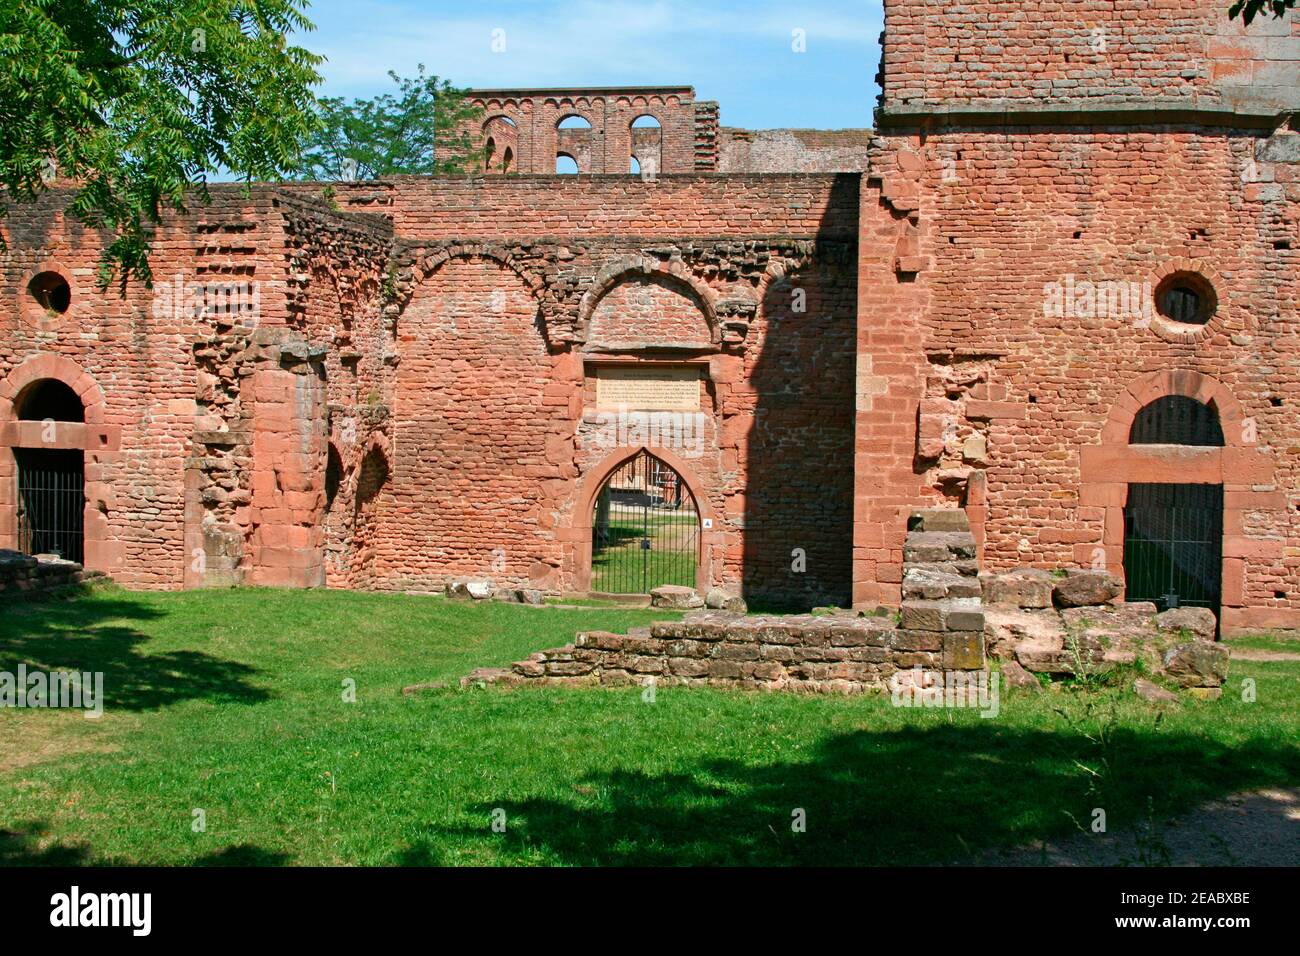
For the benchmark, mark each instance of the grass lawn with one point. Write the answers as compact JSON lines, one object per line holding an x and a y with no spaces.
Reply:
{"x":231,"y":702}
{"x":621,"y":565}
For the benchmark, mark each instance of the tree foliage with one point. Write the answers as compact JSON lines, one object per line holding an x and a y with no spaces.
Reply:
{"x":428,"y":127}
{"x":140,"y":102}
{"x":1249,"y":9}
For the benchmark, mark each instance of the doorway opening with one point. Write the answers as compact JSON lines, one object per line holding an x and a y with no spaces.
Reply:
{"x":645,"y":529}
{"x":51,"y":502}
{"x":1173,"y":545}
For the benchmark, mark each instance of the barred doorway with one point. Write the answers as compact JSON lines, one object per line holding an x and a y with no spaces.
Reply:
{"x":1173,"y":533}
{"x":1173,"y":545}
{"x":51,"y":502}
{"x":645,"y":529}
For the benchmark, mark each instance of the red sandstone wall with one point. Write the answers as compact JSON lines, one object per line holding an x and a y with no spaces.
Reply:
{"x":478,"y":446}
{"x":1038,"y":52}
{"x":141,"y":358}
{"x":1023,"y":415}
{"x":607,"y":146}
{"x":1029,"y":398}
{"x":562,"y":207}
{"x":793,"y":150}
{"x":496,"y":434}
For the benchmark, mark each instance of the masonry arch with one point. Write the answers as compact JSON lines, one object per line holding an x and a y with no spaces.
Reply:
{"x":430,"y":262}
{"x":501,"y":142}
{"x":51,"y":414}
{"x":596,"y":482}
{"x":1176,"y":468}
{"x":646,"y":135}
{"x":650,"y":274}
{"x":372,"y":478}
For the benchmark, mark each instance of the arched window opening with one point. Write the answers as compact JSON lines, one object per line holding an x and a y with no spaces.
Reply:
{"x":573,"y":121}
{"x":1176,"y":420}
{"x":565,"y":165}
{"x":371,"y":478}
{"x":49,"y":398}
{"x":501,"y":138}
{"x":635,"y":167}
{"x":647,"y":141}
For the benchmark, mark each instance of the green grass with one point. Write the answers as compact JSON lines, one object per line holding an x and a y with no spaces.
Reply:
{"x":621,"y":566}
{"x":231,"y":702}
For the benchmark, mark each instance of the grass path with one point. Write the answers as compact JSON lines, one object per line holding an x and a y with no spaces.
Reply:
{"x":231,"y":703}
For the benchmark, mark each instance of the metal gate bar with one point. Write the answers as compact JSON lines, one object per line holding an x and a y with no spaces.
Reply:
{"x":645,"y":529}
{"x":1173,"y":545}
{"x":51,"y":502}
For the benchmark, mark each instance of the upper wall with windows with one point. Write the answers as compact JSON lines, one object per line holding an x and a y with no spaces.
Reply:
{"x":596,"y":130}
{"x":644,"y":131}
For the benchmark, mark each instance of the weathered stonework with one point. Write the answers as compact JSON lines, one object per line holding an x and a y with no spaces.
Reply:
{"x":410,"y":397}
{"x":25,"y":575}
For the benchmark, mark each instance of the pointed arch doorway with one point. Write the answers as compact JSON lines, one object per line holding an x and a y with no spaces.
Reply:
{"x":645,"y":529}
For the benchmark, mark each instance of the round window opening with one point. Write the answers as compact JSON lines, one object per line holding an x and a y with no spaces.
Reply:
{"x":1186,"y":298}
{"x":51,"y":292}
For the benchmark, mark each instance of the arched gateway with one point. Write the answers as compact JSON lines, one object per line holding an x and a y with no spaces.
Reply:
{"x":51,"y":479}
{"x":645,"y":529}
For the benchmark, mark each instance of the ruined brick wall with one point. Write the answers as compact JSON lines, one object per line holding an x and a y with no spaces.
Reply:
{"x":793,"y":150}
{"x":206,"y":410}
{"x":1042,"y":55}
{"x":526,"y":121}
{"x":137,"y":355}
{"x":476,"y":445}
{"x":673,"y":207}
{"x":1024,"y":406}
{"x":504,"y":321}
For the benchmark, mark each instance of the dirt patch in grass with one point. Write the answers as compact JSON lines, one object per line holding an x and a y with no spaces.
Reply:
{"x":44,"y":735}
{"x":1256,"y":828}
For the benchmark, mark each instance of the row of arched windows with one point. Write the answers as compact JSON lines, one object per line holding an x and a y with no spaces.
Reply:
{"x":502,"y":135}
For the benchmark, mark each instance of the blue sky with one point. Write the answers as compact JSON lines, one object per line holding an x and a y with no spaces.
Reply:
{"x":738,"y":53}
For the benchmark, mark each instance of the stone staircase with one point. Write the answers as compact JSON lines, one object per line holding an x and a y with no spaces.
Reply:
{"x":941,"y":586}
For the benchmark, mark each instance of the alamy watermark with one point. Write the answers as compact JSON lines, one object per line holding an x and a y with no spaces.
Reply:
{"x":65,"y":690}
{"x":978,"y":690}
{"x":1100,"y":299}
{"x":240,"y":301}
{"x":673,"y":430}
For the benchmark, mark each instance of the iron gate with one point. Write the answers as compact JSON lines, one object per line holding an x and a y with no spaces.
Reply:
{"x":51,"y":499}
{"x":1173,"y":545}
{"x":645,"y":529}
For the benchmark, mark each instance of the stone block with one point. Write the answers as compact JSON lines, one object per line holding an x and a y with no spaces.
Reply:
{"x":1024,"y":588}
{"x":1086,"y":588}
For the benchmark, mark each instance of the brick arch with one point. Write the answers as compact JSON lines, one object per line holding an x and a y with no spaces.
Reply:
{"x":52,"y":367}
{"x":94,"y":438}
{"x":554,"y":326}
{"x":579,"y":537}
{"x":674,"y":271}
{"x":1183,"y":382}
{"x":1240,"y":466}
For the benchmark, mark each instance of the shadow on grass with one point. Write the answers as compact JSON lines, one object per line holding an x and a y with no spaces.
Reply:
{"x":89,"y":636}
{"x":21,"y":847}
{"x":917,"y":796}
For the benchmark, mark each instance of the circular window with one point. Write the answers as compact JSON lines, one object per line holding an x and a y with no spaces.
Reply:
{"x":51,"y":292}
{"x":1187,"y":298}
